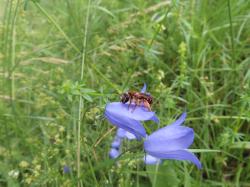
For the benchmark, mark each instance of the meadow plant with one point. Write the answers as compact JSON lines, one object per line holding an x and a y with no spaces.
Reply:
{"x":170,"y":142}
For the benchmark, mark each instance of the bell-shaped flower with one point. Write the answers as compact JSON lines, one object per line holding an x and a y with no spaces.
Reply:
{"x":121,"y":134}
{"x":171,"y":142}
{"x":66,"y":169}
{"x":114,"y":153}
{"x":128,"y":117}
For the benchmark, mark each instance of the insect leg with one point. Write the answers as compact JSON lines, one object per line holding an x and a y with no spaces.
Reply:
{"x":130,"y":101}
{"x":147,"y":105}
{"x":137,"y":103}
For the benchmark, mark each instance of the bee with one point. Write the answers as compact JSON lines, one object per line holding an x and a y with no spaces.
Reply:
{"x":138,"y":98}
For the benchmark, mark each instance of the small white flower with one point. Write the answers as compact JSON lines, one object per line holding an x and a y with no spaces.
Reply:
{"x":14,"y":173}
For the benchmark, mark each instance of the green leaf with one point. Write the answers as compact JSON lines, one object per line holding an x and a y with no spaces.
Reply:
{"x":70,"y":98}
{"x":105,"y":10}
{"x":163,"y":175}
{"x":241,"y":145}
{"x":203,"y":150}
{"x":76,"y":92}
{"x":87,"y":90}
{"x":88,"y":98}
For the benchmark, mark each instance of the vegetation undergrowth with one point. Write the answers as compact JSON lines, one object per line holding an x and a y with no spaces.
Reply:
{"x":61,"y":62}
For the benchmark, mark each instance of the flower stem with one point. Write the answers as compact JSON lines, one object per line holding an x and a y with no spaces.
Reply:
{"x":155,"y":174}
{"x":231,"y":30}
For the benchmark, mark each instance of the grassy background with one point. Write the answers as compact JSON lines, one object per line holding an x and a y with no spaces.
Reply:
{"x":60,"y":64}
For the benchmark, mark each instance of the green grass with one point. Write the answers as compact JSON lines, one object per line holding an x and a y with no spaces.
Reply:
{"x":60,"y":65}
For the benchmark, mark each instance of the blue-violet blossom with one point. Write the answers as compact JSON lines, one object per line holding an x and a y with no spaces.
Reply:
{"x":121,"y":134}
{"x":66,"y":169}
{"x":171,"y":142}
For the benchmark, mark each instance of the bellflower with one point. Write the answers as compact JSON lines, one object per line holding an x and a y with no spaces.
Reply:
{"x":171,"y":142}
{"x":116,"y":144}
{"x":128,"y":118}
{"x":114,"y":153}
{"x":66,"y":169}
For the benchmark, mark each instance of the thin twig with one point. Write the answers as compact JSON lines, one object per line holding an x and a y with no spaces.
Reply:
{"x":106,"y":134}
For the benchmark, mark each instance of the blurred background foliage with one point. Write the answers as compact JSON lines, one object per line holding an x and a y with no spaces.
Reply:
{"x":193,"y":55}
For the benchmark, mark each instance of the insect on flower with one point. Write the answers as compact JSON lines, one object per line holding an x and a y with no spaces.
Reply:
{"x":138,"y":98}
{"x":118,"y":114}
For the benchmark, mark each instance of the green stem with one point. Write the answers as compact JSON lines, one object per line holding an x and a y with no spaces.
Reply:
{"x":80,"y":97}
{"x":105,"y":78}
{"x":56,"y":25}
{"x":155,"y":174}
{"x":13,"y":51}
{"x":231,"y":29}
{"x":72,"y":44}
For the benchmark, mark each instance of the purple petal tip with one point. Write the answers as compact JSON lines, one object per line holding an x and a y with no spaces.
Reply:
{"x":143,"y":90}
{"x":114,"y":153}
{"x":150,"y":160}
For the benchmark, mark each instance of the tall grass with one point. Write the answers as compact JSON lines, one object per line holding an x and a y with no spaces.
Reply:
{"x":62,"y":61}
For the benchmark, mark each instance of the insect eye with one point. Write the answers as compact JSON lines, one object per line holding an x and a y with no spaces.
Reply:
{"x":124,"y":98}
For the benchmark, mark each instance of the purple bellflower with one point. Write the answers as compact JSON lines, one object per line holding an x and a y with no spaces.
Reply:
{"x":121,"y":134}
{"x":114,"y":153}
{"x":128,"y":118}
{"x":128,"y":122}
{"x":171,"y":142}
{"x":66,"y":169}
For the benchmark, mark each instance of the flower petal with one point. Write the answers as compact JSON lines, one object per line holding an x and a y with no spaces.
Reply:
{"x":148,"y":159}
{"x":120,"y":133}
{"x":130,"y":125}
{"x":116,"y":143}
{"x":169,"y":138}
{"x":122,"y":110}
{"x":114,"y":153}
{"x":66,"y":169}
{"x":155,"y":119}
{"x":130,"y":136}
{"x":178,"y":155}
{"x":143,"y":90}
{"x":180,"y":120}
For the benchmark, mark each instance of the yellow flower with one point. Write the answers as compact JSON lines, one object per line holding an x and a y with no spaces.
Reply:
{"x":28,"y":180}
{"x":23,"y":164}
